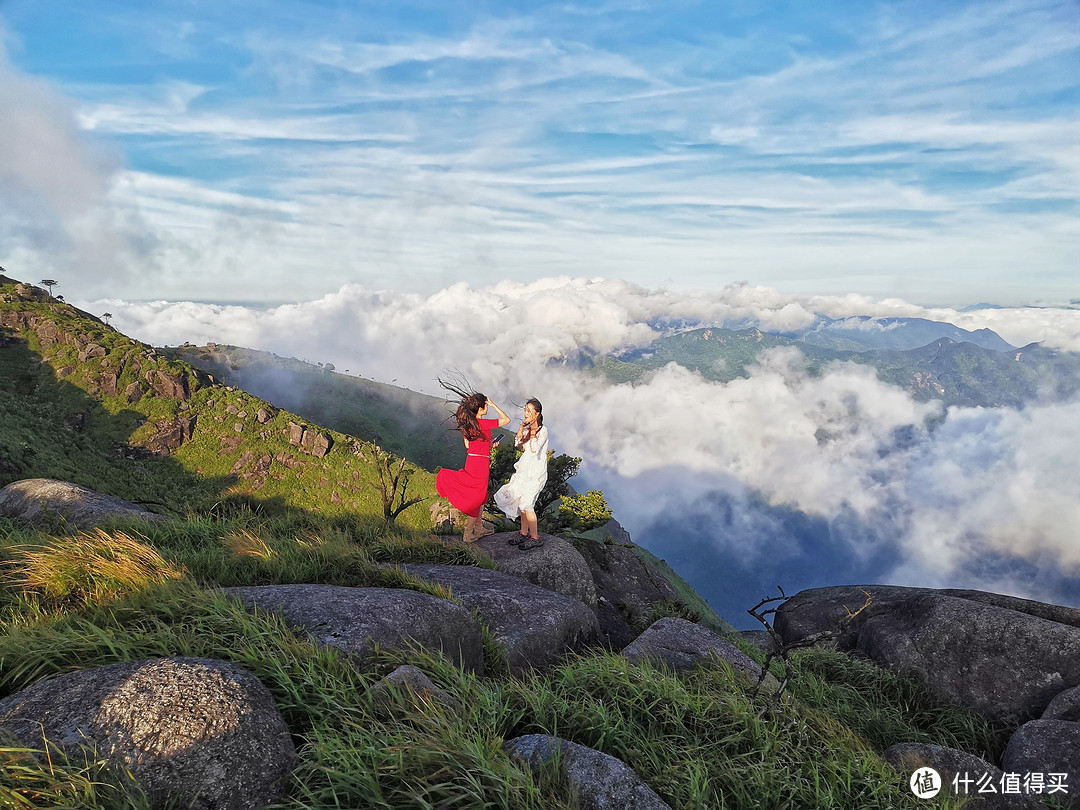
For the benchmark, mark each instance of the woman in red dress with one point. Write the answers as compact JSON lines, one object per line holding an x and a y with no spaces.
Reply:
{"x":467,"y":489}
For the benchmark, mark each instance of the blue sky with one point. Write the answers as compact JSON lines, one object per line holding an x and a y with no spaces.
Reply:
{"x":276,"y":151}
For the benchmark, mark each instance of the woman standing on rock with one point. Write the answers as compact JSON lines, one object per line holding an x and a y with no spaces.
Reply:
{"x":467,"y":488}
{"x":518,"y":496}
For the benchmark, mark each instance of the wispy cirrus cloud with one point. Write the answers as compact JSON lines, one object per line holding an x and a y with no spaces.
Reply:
{"x":893,"y":150}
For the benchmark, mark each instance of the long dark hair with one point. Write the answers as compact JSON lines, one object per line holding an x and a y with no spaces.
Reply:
{"x":539,"y":410}
{"x":469,"y":402}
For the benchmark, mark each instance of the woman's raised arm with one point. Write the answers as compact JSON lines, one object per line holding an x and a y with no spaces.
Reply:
{"x":504,"y":420}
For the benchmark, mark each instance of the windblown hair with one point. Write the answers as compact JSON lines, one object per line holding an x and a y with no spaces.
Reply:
{"x":469,"y":402}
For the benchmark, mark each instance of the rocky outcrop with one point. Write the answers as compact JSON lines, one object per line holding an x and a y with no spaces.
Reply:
{"x":598,"y":780}
{"x":961,"y":774}
{"x":825,"y":611}
{"x":556,"y":565}
{"x":682,"y":645}
{"x":171,"y":434}
{"x":357,"y":620}
{"x":1050,"y":748}
{"x":627,"y":589}
{"x":38,"y":501}
{"x":312,"y":442}
{"x":202,"y":733}
{"x":1001,"y":656}
{"x":168,"y":386}
{"x":534,"y":626}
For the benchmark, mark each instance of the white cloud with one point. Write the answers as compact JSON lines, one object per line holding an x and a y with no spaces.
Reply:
{"x":55,"y":186}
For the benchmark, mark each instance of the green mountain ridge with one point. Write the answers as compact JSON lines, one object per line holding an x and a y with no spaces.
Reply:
{"x":104,"y":401}
{"x":962,"y":374}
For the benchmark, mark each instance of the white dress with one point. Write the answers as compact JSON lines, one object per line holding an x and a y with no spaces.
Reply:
{"x":530,"y":475}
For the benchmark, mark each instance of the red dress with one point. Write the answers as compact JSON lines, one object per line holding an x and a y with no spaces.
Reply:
{"x":467,"y":489}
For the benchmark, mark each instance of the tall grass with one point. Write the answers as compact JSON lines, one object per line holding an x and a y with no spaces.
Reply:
{"x":884,"y":709}
{"x":694,"y":738}
{"x":88,"y":566}
{"x":32,"y":781}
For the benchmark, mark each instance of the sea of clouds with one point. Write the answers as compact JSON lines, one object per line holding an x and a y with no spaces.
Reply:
{"x":800,"y":478}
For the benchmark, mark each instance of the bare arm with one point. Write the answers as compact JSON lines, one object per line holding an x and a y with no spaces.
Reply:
{"x":504,"y":420}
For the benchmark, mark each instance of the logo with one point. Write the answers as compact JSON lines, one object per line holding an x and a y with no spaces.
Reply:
{"x":925,"y":783}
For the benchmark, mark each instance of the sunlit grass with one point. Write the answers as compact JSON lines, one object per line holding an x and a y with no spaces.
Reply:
{"x":34,"y":779}
{"x":88,"y":566}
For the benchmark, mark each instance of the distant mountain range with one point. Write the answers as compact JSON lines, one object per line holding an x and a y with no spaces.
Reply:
{"x":863,"y":333}
{"x":930,"y":360}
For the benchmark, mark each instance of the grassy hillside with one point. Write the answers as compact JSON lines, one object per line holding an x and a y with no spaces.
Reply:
{"x":404,"y":422}
{"x":82,"y":402}
{"x":695,"y":737}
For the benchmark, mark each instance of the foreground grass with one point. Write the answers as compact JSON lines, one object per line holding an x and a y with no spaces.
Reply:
{"x":130,"y":593}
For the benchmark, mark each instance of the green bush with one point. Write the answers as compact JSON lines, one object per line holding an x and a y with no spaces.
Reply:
{"x":584,"y":512}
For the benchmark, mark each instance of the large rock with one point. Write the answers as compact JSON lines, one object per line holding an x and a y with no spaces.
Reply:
{"x":357,"y":620}
{"x":535,"y":627}
{"x":171,"y":433}
{"x":556,"y":565}
{"x":627,"y":590}
{"x":827,"y":611}
{"x":166,"y":385}
{"x":978,"y":650}
{"x":961,"y":774}
{"x":408,"y":678}
{"x":600,"y":781}
{"x":196,"y":731}
{"x":39,"y":500}
{"x":682,"y":645}
{"x":1065,"y":706}
{"x":1048,"y":747}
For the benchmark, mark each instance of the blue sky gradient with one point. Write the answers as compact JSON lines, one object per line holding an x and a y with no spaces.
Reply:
{"x":276,"y":151}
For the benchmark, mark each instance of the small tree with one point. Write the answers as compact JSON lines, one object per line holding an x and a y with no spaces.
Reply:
{"x":393,"y":483}
{"x":560,"y":469}
{"x":50,"y":283}
{"x":106,"y":316}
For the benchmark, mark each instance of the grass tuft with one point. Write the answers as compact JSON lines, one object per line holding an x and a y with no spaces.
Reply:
{"x":88,"y":567}
{"x":34,"y":779}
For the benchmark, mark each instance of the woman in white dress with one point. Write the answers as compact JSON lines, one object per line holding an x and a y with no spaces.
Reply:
{"x":518,"y":497}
